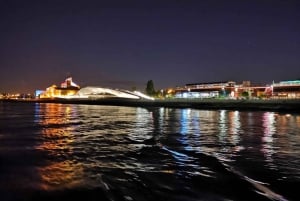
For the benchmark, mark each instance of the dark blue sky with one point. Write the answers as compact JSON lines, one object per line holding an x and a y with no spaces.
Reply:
{"x":125,"y":43}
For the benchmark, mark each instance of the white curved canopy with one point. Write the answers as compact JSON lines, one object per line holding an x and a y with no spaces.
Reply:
{"x":104,"y":92}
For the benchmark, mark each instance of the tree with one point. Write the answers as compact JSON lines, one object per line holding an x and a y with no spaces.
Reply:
{"x":150,"y":88}
{"x":245,"y":94}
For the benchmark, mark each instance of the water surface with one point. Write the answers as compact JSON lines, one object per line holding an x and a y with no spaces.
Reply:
{"x":93,"y":152}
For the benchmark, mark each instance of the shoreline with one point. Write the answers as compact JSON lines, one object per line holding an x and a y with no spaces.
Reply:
{"x":288,"y":105}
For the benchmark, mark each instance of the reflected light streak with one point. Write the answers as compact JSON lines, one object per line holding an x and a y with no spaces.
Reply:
{"x":267,"y":139}
{"x":161,"y":118}
{"x":190,"y":122}
{"x":142,"y":122}
{"x":190,"y":129}
{"x":223,"y":128}
{"x":57,"y":138}
{"x":222,"y":124}
{"x":184,"y":121}
{"x":229,"y":134}
{"x":61,"y":175}
{"x":235,"y":126}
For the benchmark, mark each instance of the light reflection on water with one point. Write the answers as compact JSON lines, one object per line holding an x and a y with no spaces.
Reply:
{"x":199,"y":130}
{"x":82,"y":143}
{"x":57,"y":140}
{"x":267,"y":139}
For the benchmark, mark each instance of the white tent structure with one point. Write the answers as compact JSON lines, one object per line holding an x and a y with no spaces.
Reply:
{"x":100,"y":92}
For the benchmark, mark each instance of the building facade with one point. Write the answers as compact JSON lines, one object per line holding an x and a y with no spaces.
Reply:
{"x":229,"y":89}
{"x":67,"y":88}
{"x":286,"y":89}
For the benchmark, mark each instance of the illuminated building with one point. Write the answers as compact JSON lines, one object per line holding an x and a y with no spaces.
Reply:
{"x":286,"y":89}
{"x":228,"y":89}
{"x":246,"y":89}
{"x":283,"y":89}
{"x":67,"y":88}
{"x":205,"y":90}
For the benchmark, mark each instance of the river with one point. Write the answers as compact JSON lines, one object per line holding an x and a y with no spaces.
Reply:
{"x":54,"y":151}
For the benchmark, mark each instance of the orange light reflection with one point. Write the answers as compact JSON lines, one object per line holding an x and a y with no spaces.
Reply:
{"x":57,"y":138}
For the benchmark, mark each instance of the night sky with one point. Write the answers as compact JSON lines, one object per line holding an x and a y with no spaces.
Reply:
{"x":123,"y":44}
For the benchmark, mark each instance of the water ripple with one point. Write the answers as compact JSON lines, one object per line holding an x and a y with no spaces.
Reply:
{"x":128,"y":153}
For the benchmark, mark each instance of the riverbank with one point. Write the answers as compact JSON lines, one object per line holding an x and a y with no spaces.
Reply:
{"x":291,"y":105}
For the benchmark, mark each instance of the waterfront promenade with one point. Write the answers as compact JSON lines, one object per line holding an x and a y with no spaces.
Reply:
{"x":290,"y":105}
